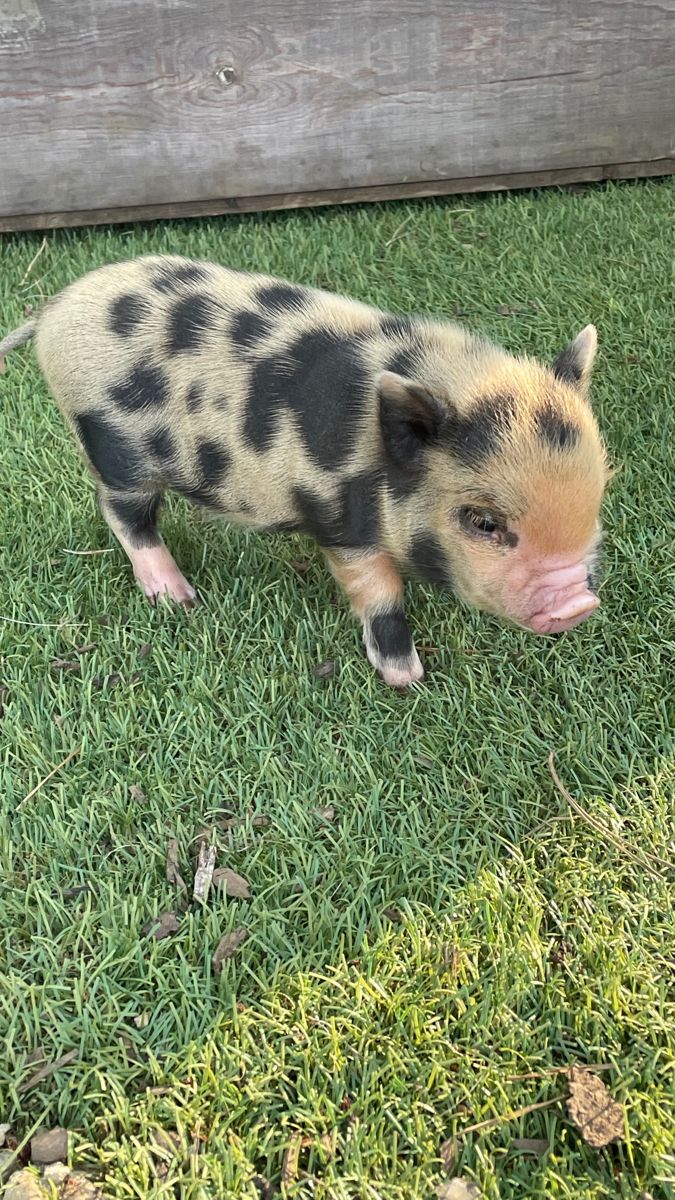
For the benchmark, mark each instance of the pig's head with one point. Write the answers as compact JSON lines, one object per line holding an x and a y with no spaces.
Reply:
{"x":498,"y":479}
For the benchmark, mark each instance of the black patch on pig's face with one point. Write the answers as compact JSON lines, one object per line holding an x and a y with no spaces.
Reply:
{"x":213,"y":461}
{"x":146,"y":387}
{"x":281,"y":297}
{"x":190,"y":319}
{"x":195,"y":397}
{"x":170,"y":277}
{"x":126,"y":313}
{"x":406,"y":362}
{"x":427,"y":558}
{"x":476,"y":436}
{"x":248,"y":328}
{"x":391,"y":634}
{"x":137,"y":513}
{"x":554,"y":431}
{"x":322,"y":382}
{"x":113,"y":456}
{"x":161,"y":446}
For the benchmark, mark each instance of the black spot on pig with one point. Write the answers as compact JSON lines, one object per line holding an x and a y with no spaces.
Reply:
{"x":170,"y":277}
{"x":195,"y":397}
{"x":213,"y":461}
{"x":146,"y":387}
{"x":318,"y":517}
{"x":476,"y":436}
{"x":391,"y":634}
{"x":325,"y":389}
{"x":190,"y":319}
{"x":266,"y":397}
{"x":126,"y":313}
{"x":137,"y":513}
{"x":359,"y":509}
{"x":248,"y":328}
{"x":393,"y":325}
{"x":113,"y":456}
{"x":406,"y":361}
{"x":280,"y":297}
{"x":554,"y":431}
{"x":428,"y":559}
{"x":161,"y":446}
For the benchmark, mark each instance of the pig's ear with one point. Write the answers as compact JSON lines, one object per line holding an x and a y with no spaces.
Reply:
{"x":410,"y":417}
{"x":575,"y":363}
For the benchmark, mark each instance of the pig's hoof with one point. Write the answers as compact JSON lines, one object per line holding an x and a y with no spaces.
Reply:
{"x":175,"y":588}
{"x":400,"y":672}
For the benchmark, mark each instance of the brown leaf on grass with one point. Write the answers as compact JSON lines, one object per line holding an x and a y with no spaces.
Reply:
{"x":324,"y":670}
{"x":162,"y":926}
{"x":301,"y":566}
{"x":48,"y":1069}
{"x":291,"y":1163}
{"x":228,"y":946}
{"x":204,"y":872}
{"x":459,"y":1189}
{"x":173,"y":875}
{"x":508,"y":310}
{"x":392,"y":914}
{"x":49,"y":1146}
{"x":530,"y":1145}
{"x":65,"y":664}
{"x":145,"y":650}
{"x":447,"y":1152}
{"x":234,"y":886}
{"x":326,"y":812}
{"x":265,"y":1189}
{"x":136,"y":793}
{"x":166,"y":1143}
{"x":598,"y":1117}
{"x":87,"y":648}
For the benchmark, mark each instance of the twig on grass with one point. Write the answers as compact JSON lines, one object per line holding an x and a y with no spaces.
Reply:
{"x":492,"y":1122}
{"x":46,"y":779}
{"x":649,"y":861}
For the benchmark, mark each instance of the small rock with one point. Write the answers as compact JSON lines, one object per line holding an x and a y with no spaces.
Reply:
{"x":49,"y":1146}
{"x":24,"y":1185}
{"x":56,"y":1173}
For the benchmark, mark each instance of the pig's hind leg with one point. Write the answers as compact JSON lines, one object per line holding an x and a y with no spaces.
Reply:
{"x":132,"y":516}
{"x":375,"y":589}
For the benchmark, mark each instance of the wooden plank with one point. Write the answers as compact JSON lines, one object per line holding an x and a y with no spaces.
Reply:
{"x":138,"y":103}
{"x":435,"y":187}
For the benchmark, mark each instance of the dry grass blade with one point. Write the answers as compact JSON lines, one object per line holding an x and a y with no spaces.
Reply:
{"x":557,"y":1071}
{"x":40,"y":250}
{"x":44,"y":624}
{"x":48,"y":1069}
{"x":649,"y":861}
{"x":493,"y":1122}
{"x":204,"y":872}
{"x":46,"y":779}
{"x":87,"y":553}
{"x":291,"y":1163}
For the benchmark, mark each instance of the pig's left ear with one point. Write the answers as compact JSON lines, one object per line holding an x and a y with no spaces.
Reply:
{"x":575,"y":363}
{"x":410,"y":418}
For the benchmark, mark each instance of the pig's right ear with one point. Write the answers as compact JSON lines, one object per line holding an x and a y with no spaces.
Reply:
{"x":410,"y":418}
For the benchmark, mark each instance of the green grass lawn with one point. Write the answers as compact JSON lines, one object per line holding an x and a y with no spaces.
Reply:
{"x":452,"y":924}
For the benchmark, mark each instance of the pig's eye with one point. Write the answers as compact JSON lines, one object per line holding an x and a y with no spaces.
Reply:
{"x":480,"y":522}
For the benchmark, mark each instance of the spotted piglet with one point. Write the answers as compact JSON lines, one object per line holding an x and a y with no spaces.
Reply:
{"x":401,"y":444}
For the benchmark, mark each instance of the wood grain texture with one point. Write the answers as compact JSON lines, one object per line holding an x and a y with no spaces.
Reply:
{"x":404,"y":191}
{"x":124,"y":105}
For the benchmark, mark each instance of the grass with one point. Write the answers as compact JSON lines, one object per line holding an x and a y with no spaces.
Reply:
{"x":454,"y":925}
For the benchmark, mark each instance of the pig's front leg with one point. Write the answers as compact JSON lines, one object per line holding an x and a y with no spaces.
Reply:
{"x":375,"y":589}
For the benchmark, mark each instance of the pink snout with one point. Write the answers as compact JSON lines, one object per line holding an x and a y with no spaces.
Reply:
{"x":561,"y":600}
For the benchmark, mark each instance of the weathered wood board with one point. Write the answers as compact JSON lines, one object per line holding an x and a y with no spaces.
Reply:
{"x":115,"y":109}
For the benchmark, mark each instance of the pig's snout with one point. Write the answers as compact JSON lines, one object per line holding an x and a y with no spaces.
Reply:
{"x":562,"y":599}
